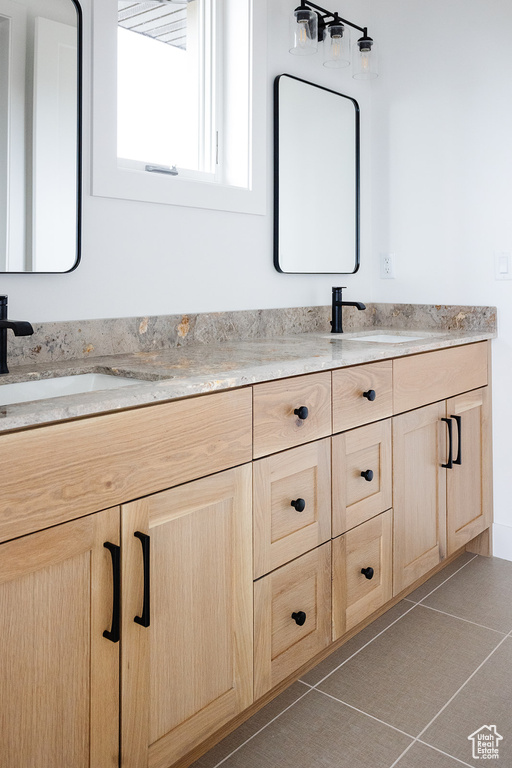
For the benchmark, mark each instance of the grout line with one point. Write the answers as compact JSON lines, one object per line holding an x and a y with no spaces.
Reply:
{"x":444,"y":753}
{"x":307,"y":684}
{"x":263,"y":728}
{"x":366,"y":714}
{"x":365,"y":645}
{"x":418,"y":737}
{"x":448,"y":579}
{"x":452,"y":616}
{"x":408,"y":600}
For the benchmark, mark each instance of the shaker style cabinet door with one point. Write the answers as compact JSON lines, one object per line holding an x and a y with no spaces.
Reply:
{"x":469,"y":481}
{"x":419,"y":493}
{"x":59,"y":674}
{"x":186,"y":666}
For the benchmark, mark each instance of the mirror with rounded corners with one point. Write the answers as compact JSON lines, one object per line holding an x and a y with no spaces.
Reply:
{"x":40,"y":130}
{"x":316,"y":179}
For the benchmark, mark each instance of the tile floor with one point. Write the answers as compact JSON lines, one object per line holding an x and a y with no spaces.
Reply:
{"x":407,"y":691}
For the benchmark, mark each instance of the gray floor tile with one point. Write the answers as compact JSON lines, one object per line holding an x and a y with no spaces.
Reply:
{"x":441,"y":576}
{"x":481,"y":592}
{"x":346,"y":651}
{"x":251,"y":726}
{"x":420,"y":756}
{"x":485,"y":700}
{"x":408,"y":673}
{"x":321,"y":733}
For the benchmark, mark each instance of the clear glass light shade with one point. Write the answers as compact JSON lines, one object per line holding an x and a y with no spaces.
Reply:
{"x":304,"y":34}
{"x":364,"y":62}
{"x":336,"y":46}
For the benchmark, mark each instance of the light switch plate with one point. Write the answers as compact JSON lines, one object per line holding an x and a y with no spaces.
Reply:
{"x":503,"y":265}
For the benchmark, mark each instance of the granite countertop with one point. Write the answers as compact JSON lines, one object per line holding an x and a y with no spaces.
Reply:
{"x":201,"y":368}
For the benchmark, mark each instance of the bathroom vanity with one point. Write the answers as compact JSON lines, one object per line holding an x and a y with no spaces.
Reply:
{"x":168,"y":567}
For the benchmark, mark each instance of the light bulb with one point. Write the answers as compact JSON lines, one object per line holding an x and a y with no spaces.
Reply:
{"x":336,"y":46}
{"x":304,"y":32}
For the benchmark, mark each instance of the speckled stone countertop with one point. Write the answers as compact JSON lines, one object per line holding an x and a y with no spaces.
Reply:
{"x":177,"y":372}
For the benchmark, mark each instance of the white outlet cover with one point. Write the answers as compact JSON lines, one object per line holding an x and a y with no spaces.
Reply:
{"x":503,"y":265}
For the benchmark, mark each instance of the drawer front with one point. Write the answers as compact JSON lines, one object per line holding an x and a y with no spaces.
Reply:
{"x":356,"y":595}
{"x":284,"y":643}
{"x":361,"y":475}
{"x":57,"y":473}
{"x":422,"y":379}
{"x":291,"y":504}
{"x":277,"y":426}
{"x":361,"y":394}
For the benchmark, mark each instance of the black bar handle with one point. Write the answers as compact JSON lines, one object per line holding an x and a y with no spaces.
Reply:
{"x":114,"y":633}
{"x":144,"y":540}
{"x":449,"y":465}
{"x":458,"y":460}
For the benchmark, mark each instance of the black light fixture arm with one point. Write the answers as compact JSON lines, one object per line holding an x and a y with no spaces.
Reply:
{"x":324,"y":14}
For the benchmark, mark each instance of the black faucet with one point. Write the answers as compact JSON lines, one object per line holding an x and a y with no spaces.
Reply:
{"x":20,"y":328}
{"x":337,"y":304}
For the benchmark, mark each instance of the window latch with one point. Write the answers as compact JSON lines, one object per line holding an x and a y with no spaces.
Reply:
{"x":162,"y":169}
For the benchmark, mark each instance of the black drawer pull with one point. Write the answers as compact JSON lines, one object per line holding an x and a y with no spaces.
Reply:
{"x":370,"y":395}
{"x":144,"y":619}
{"x":368,"y":572}
{"x":114,"y":633}
{"x":368,"y":475}
{"x":302,"y":412}
{"x":449,"y":464}
{"x":458,"y":460}
{"x":299,"y":618}
{"x":299,"y":504}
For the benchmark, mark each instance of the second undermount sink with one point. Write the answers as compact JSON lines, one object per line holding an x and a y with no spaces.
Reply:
{"x":379,"y":338}
{"x":44,"y":389}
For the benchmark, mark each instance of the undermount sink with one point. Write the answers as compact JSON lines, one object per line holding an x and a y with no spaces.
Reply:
{"x":44,"y":389}
{"x":380,"y":338}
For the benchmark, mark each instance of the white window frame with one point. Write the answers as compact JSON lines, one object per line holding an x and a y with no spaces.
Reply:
{"x":124,"y":181}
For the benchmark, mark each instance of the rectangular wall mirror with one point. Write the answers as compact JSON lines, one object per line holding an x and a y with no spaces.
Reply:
{"x":40,"y":121}
{"x":316,"y":179}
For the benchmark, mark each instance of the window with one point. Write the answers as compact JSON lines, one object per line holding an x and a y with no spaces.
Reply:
{"x":181,"y":86}
{"x":168,"y":71}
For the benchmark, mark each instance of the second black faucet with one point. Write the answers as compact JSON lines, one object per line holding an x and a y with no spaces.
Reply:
{"x":337,"y":305}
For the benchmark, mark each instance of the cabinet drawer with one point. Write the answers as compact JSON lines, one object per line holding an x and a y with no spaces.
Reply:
{"x":277,"y":426}
{"x":356,"y":595}
{"x":282,"y":645}
{"x":362,"y":394}
{"x":283,"y":530}
{"x":356,"y":498}
{"x":422,"y":379}
{"x":57,"y":473}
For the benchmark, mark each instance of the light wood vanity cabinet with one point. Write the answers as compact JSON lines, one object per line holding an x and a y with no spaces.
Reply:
{"x":251,"y":537}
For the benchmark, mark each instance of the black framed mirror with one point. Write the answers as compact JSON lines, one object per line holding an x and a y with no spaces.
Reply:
{"x":40,"y":135}
{"x":316,"y":179}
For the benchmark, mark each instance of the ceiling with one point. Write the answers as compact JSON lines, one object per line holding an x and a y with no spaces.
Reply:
{"x":164,"y":21}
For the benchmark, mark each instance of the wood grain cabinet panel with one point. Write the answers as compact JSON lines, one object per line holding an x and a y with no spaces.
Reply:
{"x":431,"y":376}
{"x":53,"y":474}
{"x":191,"y":670}
{"x":361,"y":475}
{"x":419,"y":493}
{"x":283,"y":641}
{"x":356,"y":595}
{"x":350,"y":407}
{"x":277,"y":426}
{"x":469,"y":483}
{"x":291,"y":504}
{"x":59,"y":675}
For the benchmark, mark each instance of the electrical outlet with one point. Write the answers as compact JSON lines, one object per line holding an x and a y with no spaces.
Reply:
{"x":387,"y":269}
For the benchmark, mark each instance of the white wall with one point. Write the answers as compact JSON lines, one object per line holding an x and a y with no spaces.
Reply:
{"x":442,"y":175}
{"x":143,"y":258}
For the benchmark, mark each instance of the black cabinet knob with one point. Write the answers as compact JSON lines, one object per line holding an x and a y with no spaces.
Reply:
{"x":299,"y":618}
{"x":368,"y":572}
{"x":299,"y":504}
{"x":302,"y":412}
{"x":370,"y":395}
{"x":368,"y":475}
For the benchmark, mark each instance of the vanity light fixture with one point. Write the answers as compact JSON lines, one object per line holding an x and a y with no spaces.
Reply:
{"x":311,"y":24}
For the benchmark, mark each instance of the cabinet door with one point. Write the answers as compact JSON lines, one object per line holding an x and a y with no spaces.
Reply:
{"x":190,"y":670}
{"x":469,"y":489}
{"x":419,"y":493}
{"x":361,"y":572}
{"x":59,"y":675}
